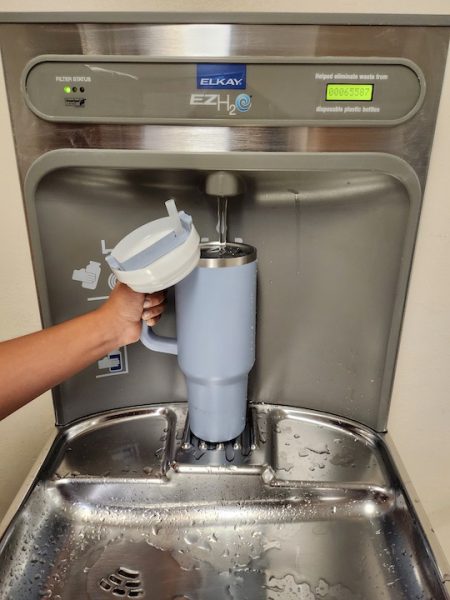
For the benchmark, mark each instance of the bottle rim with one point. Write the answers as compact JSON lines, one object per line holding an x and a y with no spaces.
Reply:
{"x":231,"y":254}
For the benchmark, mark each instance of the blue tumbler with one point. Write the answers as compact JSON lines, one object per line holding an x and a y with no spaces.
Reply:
{"x":215,"y":343}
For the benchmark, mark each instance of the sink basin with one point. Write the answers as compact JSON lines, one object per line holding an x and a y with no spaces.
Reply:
{"x":128,"y":505}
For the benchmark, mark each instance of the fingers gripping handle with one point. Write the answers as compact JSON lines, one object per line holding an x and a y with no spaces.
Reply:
{"x":156,"y":342}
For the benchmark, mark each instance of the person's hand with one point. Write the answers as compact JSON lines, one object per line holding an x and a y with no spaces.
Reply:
{"x":125,"y":308}
{"x":34,"y":363}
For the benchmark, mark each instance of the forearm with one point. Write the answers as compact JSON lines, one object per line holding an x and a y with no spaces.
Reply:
{"x":34,"y":363}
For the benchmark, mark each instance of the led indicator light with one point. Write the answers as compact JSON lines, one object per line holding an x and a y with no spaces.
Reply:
{"x":67,"y":89}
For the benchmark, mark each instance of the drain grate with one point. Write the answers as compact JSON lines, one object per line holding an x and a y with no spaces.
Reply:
{"x":123,"y":583}
{"x":193,"y":450}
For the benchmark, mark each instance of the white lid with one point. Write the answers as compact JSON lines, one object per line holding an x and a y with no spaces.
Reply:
{"x":159,"y":254}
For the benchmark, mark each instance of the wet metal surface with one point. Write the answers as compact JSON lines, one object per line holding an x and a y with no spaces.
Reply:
{"x":314,"y":511}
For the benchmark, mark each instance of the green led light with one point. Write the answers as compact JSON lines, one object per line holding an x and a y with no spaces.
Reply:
{"x":67,"y":89}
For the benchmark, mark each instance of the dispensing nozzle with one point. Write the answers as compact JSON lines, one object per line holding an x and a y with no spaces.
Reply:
{"x":223,"y":184}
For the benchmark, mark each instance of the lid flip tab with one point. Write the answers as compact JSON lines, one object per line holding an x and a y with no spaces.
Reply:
{"x":174,"y":215}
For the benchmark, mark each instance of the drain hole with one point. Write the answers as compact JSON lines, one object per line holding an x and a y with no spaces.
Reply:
{"x":105,"y":585}
{"x":128,"y":573}
{"x":124,"y":582}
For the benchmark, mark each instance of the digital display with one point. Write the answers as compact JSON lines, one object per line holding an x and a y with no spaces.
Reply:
{"x":350,"y":92}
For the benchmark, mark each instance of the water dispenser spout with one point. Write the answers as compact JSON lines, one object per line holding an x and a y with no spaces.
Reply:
{"x":223,"y":184}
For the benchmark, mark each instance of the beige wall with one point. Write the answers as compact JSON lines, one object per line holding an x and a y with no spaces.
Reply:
{"x":335,"y":6}
{"x":420,"y":411}
{"x":420,"y":415}
{"x":21,"y":435}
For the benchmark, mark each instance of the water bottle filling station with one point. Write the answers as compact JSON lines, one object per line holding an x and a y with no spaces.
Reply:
{"x":247,"y":457}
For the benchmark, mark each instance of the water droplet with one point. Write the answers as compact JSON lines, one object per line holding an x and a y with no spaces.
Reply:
{"x":268,"y":475}
{"x":191,"y":538}
{"x":322,"y":589}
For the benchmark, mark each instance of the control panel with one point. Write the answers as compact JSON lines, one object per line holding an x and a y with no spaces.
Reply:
{"x":317,"y":91}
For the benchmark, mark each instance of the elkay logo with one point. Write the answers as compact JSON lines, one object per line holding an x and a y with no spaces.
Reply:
{"x":221,"y":76}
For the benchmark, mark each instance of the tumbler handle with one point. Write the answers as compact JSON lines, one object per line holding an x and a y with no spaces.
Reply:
{"x":158,"y":343}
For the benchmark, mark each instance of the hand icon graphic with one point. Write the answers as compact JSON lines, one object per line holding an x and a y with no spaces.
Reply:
{"x":109,"y":362}
{"x":88,"y":276}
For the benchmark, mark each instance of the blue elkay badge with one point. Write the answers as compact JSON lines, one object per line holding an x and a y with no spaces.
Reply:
{"x":221,"y":76}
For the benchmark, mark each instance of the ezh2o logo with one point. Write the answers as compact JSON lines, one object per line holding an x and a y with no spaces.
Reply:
{"x":243,"y":102}
{"x":222,"y":77}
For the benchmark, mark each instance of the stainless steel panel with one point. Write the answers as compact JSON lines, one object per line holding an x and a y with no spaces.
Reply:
{"x":334,"y":248}
{"x":316,"y":512}
{"x":411,"y":141}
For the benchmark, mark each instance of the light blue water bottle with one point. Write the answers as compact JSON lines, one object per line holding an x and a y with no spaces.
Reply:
{"x":215,"y":343}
